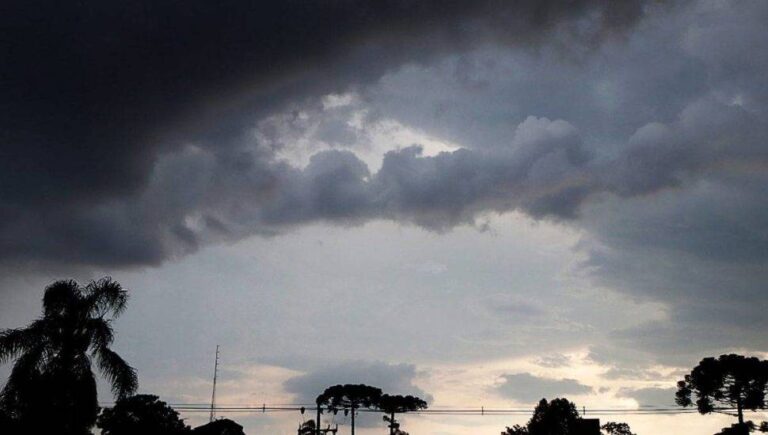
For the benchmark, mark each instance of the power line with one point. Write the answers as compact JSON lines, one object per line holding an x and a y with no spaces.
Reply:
{"x":467,"y":411}
{"x":455,"y":410}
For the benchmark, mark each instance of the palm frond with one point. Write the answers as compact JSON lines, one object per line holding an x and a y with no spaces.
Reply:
{"x":14,"y":342}
{"x":100,"y":332}
{"x":61,"y":296}
{"x":122,"y":376}
{"x":104,"y":296}
{"x":23,"y":371}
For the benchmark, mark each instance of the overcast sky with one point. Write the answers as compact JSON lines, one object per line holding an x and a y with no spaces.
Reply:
{"x":479,"y":202}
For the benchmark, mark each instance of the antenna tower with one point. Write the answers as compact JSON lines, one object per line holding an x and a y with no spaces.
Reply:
{"x":215,"y":376}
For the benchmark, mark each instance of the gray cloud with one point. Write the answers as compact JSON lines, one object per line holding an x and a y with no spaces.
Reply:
{"x":87,"y":118}
{"x":650,"y":396}
{"x":526,"y":388}
{"x":554,"y":361}
{"x":631,"y":373}
{"x":198,"y":196}
{"x":652,"y":144}
{"x":391,"y":378}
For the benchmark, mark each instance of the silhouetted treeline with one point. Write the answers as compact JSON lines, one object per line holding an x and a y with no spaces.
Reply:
{"x":560,"y":417}
{"x":52,"y":385}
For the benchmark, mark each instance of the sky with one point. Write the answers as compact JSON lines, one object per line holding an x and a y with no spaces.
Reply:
{"x":482,"y":203}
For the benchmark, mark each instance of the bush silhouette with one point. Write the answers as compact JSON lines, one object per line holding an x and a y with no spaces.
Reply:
{"x":560,"y":417}
{"x":222,"y":426}
{"x":141,"y":414}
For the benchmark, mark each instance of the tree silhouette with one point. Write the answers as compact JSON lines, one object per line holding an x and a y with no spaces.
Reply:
{"x":350,"y":397}
{"x":730,"y":380}
{"x":515,"y":430}
{"x":222,"y":426}
{"x":549,"y":418}
{"x":738,"y":429}
{"x":307,"y":428}
{"x":613,"y":428}
{"x":398,"y":404}
{"x":553,"y":418}
{"x":560,"y":417}
{"x":52,"y":384}
{"x":141,"y":414}
{"x":7,"y":424}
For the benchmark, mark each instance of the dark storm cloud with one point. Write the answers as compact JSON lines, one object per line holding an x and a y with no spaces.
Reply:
{"x":89,"y":89}
{"x":700,"y":248}
{"x":94,"y":94}
{"x":526,"y":388}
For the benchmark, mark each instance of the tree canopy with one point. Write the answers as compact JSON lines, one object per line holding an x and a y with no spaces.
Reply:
{"x":549,"y":418}
{"x":222,"y":426}
{"x":397,"y":404}
{"x":560,"y":417}
{"x":613,"y":428}
{"x":350,"y":396}
{"x":141,"y":414}
{"x":733,"y":381}
{"x":52,"y":385}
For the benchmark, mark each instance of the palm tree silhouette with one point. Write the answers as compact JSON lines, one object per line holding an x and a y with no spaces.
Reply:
{"x":52,"y":384}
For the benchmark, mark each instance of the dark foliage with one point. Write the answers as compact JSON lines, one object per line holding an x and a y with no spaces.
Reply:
{"x":351,"y":397}
{"x":738,"y":429}
{"x":555,"y":417}
{"x":729,"y":381}
{"x":515,"y":430}
{"x":141,"y":414}
{"x":223,"y":426}
{"x":613,"y":428}
{"x":7,"y":424}
{"x":560,"y":417}
{"x":396,"y":405}
{"x":549,"y":418}
{"x":307,"y":428}
{"x":52,"y":388}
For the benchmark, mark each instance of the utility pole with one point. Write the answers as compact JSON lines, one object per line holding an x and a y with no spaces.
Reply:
{"x":215,"y":376}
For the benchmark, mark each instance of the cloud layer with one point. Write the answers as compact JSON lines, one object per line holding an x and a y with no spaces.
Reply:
{"x":135,"y":134}
{"x":529,"y":389}
{"x":101,"y":103}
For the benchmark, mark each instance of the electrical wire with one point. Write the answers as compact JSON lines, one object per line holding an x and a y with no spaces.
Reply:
{"x":445,"y":411}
